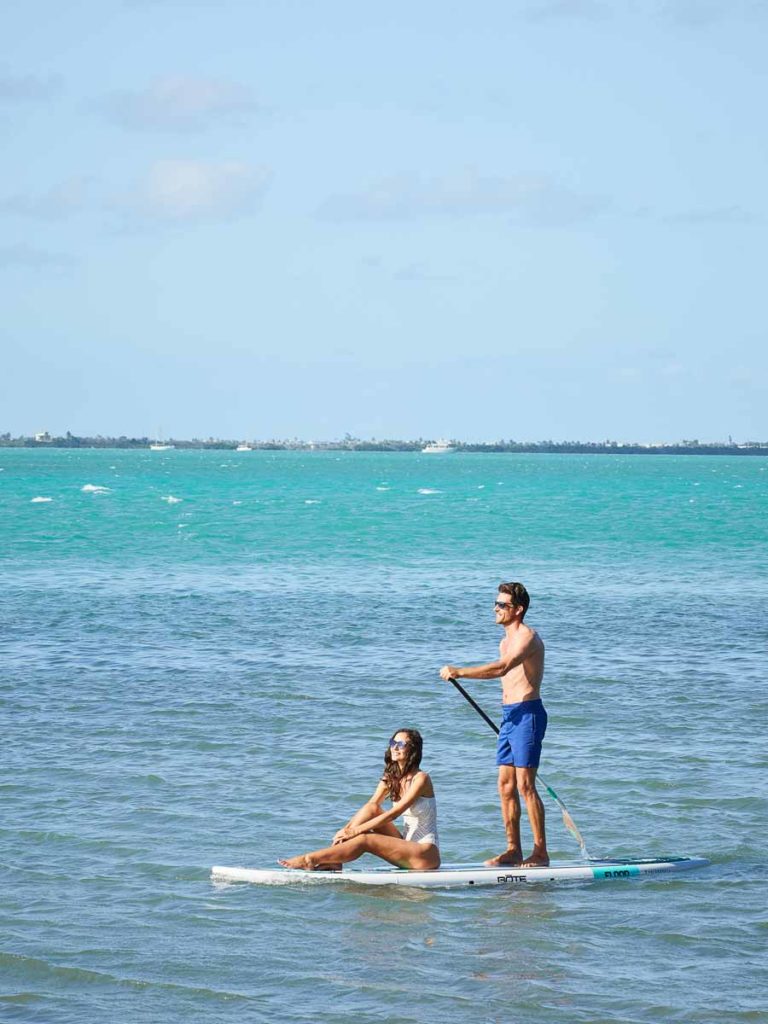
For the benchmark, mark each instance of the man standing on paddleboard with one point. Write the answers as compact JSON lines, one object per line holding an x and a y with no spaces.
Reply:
{"x":520,"y":667}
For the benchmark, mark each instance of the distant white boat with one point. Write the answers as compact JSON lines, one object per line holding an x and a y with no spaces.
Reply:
{"x":243,"y":448}
{"x":159,"y":445}
{"x":440,"y":447}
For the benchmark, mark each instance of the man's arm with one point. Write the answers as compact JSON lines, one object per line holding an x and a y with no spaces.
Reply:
{"x":494,"y":669}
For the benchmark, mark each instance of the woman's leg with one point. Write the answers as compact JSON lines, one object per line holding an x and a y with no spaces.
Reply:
{"x":387,"y":829}
{"x":393,"y":849}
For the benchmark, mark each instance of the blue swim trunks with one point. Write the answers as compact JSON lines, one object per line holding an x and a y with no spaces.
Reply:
{"x":521,"y":734}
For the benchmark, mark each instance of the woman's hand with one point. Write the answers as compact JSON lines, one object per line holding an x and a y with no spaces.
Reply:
{"x":344,"y":834}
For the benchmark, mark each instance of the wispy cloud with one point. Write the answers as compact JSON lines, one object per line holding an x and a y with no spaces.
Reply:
{"x":416,"y":272}
{"x":549,"y":10}
{"x":28,"y":88}
{"x":715,"y":215}
{"x":174,"y":3}
{"x":179,"y":191}
{"x":59,"y":201}
{"x":703,"y":13}
{"x":182,"y":104}
{"x":23,"y":255}
{"x":531,"y":200}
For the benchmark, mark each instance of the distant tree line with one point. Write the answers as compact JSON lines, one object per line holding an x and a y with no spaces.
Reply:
{"x":350,"y":443}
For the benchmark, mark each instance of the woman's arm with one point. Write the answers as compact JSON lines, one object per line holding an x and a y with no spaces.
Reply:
{"x":419,"y":783}
{"x":367,"y":811}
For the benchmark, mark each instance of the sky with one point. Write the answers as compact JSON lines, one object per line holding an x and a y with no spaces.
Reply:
{"x":254,"y":219}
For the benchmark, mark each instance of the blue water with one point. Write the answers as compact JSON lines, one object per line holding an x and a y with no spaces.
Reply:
{"x":204,"y":654}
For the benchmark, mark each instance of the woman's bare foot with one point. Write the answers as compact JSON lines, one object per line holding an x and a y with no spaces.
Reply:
{"x":302,"y":863}
{"x":510,"y":858}
{"x":305,"y":863}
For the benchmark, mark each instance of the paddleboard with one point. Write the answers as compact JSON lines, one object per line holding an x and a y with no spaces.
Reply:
{"x":454,"y":876}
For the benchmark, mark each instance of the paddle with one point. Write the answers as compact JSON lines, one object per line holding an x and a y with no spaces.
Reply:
{"x":568,"y":821}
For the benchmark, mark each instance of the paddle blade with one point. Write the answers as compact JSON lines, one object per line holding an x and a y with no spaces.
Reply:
{"x":568,"y":821}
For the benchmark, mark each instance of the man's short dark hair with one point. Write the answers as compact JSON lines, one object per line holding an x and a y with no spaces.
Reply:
{"x":518,"y":593}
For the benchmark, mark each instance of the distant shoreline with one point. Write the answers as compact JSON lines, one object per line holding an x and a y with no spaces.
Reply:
{"x":357,"y":445}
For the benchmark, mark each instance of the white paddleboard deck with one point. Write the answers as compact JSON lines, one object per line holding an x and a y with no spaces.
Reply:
{"x":453,"y":876}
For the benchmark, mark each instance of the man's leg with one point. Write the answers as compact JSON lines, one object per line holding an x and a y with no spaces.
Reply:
{"x":526,"y":783}
{"x":510,"y":813}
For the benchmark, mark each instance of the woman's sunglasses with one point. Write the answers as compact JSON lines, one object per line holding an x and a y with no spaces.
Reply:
{"x":398,"y":744}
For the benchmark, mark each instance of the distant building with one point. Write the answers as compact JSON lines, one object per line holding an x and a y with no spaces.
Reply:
{"x":43,"y":437}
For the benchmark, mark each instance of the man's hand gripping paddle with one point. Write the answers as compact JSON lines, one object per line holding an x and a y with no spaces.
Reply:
{"x":568,"y":821}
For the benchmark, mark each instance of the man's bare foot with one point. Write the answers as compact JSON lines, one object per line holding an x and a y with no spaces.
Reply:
{"x":510,"y":858}
{"x":537,"y":859}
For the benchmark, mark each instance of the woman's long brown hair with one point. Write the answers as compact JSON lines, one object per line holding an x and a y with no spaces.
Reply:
{"x":393,"y":775}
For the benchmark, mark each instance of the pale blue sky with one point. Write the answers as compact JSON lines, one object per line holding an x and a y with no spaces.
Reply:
{"x":531,"y":219}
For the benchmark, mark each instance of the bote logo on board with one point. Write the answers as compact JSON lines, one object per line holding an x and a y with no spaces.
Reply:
{"x":502,"y":879}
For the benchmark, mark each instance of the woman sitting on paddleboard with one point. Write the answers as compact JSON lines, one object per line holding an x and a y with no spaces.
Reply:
{"x":370,"y":830}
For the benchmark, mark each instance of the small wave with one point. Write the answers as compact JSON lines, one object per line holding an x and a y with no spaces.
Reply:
{"x":38,"y":500}
{"x":312,"y":501}
{"x":95,"y":489}
{"x":170,"y":499}
{"x":237,"y":503}
{"x":36,"y":969}
{"x":428,"y":490}
{"x":382,"y":488}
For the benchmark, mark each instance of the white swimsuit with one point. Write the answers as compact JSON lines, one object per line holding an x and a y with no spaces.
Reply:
{"x":420,"y":820}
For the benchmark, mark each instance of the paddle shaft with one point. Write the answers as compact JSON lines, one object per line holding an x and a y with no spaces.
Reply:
{"x":475,"y":705}
{"x":570,"y":824}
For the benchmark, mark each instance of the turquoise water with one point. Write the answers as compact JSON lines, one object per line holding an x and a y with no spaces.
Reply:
{"x":204,"y":654}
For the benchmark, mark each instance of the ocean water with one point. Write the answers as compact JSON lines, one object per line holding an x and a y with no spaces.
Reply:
{"x":204,"y":654}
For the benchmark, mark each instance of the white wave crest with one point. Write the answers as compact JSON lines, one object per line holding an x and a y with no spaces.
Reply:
{"x":34,"y":500}
{"x":95,"y":489}
{"x":171,"y":500}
